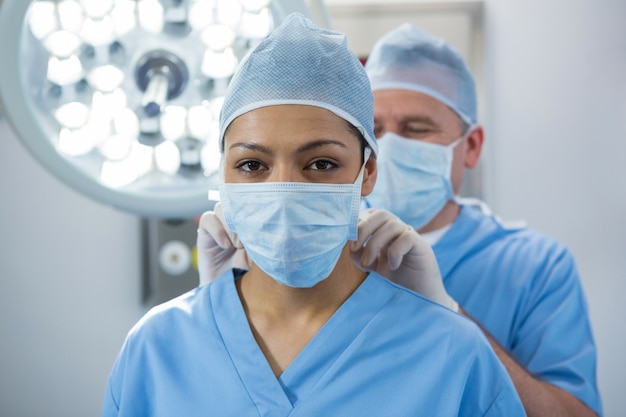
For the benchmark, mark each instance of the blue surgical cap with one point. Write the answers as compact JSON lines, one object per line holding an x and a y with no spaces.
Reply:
{"x":410,"y":59}
{"x":299,"y":63}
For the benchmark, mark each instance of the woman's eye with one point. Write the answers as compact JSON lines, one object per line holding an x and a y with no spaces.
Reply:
{"x":250,"y":166}
{"x":322,"y":165}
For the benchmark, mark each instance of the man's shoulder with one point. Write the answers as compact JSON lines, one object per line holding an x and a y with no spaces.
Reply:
{"x":487,"y":232}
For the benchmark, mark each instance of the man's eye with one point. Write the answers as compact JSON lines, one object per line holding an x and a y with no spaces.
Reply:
{"x":250,"y":166}
{"x":322,"y":165}
{"x":418,"y":130}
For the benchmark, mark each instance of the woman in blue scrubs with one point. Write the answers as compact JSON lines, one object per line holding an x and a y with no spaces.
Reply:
{"x":305,"y":331}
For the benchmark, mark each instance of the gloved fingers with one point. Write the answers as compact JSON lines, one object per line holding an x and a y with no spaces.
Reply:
{"x":216,"y":255}
{"x":370,"y":220}
{"x":400,"y":247}
{"x":411,"y":244}
{"x":381,"y":259}
{"x":217,"y":245}
{"x":213,"y":262}
{"x":396,"y":251}
{"x":219,"y":213}
{"x":212,"y":230}
{"x":378,"y":231}
{"x":367,"y":225}
{"x":241,"y":260}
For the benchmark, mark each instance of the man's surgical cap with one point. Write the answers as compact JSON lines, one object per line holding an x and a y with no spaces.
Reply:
{"x":410,"y":59}
{"x":299,"y":63}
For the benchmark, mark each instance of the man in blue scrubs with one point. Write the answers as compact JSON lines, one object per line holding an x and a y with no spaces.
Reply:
{"x":305,"y":332}
{"x":520,"y":286}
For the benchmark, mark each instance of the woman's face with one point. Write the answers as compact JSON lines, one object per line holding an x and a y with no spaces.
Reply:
{"x":294,"y":143}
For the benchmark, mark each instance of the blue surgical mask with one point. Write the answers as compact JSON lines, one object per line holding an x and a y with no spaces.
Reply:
{"x":295,"y":232}
{"x":413,"y":178}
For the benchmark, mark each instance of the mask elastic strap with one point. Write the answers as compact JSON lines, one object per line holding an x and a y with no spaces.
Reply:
{"x":462,"y":137}
{"x":454,"y":145}
{"x":366,"y":156}
{"x":355,"y":203}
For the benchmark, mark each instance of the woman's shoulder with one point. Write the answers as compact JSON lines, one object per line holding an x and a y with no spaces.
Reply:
{"x":421,"y":313}
{"x":173,"y":315}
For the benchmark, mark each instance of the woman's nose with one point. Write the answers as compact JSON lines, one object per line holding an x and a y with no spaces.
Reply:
{"x":282,"y":172}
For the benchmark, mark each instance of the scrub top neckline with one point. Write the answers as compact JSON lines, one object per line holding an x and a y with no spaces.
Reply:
{"x":279,"y":397}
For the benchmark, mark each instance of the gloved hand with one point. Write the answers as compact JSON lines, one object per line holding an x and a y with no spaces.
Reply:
{"x":219,"y":249}
{"x":396,"y":251}
{"x":385,"y":245}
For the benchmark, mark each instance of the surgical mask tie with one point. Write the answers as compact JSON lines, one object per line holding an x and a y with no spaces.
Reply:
{"x":295,"y":232}
{"x":413,"y":178}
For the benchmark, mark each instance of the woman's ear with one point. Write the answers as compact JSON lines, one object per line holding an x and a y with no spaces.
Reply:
{"x":369,"y":175}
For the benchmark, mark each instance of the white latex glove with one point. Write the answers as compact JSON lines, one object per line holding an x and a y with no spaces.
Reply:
{"x":219,"y":249}
{"x":396,"y":251}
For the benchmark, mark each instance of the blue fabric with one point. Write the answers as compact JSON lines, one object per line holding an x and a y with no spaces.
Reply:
{"x":408,"y":58}
{"x":300,"y":63}
{"x":386,"y":352}
{"x":524,"y":288}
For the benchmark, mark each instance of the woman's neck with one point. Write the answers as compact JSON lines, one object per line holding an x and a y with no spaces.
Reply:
{"x":284,"y":319}
{"x":261,"y":294}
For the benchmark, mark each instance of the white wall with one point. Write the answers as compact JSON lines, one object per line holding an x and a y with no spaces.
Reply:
{"x":69,"y":290}
{"x":556,"y":79}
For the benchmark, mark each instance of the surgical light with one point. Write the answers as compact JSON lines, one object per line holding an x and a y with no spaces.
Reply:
{"x":120,"y":98}
{"x":72,"y":115}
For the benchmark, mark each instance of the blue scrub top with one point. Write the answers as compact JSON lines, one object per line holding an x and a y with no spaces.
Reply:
{"x":524,"y":288}
{"x":385,"y":352}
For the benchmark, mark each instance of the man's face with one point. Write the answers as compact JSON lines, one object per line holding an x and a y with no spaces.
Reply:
{"x":418,"y":116}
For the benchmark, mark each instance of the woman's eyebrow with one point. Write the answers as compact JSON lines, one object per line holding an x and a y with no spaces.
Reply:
{"x":319,"y":143}
{"x":251,"y":146}
{"x":304,"y":148}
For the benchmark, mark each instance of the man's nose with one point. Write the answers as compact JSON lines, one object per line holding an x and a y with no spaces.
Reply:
{"x":388,"y":129}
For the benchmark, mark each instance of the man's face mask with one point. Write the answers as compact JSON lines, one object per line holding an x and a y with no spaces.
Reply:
{"x":413,"y":178}
{"x":293,"y":231}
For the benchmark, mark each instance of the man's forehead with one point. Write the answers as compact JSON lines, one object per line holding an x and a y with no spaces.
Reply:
{"x":407,"y":103}
{"x":404,"y":93}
